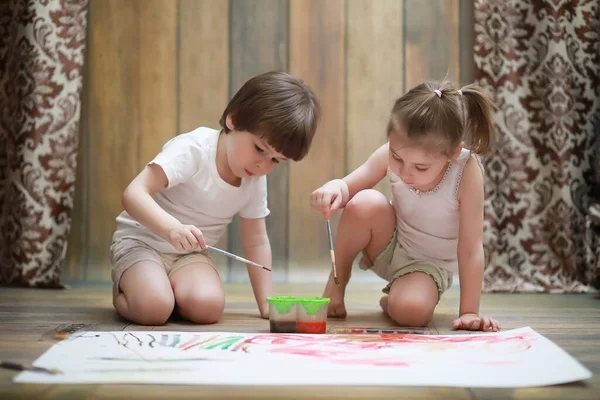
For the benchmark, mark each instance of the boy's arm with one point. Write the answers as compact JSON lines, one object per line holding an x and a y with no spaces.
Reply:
{"x":257,"y":248}
{"x":368,"y":174}
{"x":138,"y":202}
{"x":470,"y":250}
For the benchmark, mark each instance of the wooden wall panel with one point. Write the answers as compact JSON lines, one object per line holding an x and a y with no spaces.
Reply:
{"x":374,"y":78}
{"x":203,"y":74}
{"x":114,"y":129}
{"x":432,"y":40}
{"x":259,"y":43}
{"x":131,"y":110}
{"x":465,"y":45}
{"x":158,"y":77}
{"x":317,"y":54}
{"x":158,"y":68}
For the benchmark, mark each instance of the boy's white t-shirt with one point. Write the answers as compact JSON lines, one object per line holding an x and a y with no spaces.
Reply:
{"x":196,"y":194}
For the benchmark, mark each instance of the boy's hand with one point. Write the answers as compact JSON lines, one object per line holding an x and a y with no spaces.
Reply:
{"x":329,"y":197}
{"x":186,"y":237}
{"x":474,"y":322}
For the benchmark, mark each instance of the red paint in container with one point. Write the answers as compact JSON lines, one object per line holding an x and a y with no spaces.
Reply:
{"x":311,"y":327}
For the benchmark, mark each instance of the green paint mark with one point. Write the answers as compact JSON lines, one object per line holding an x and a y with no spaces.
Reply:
{"x":226,"y":343}
{"x":175,"y":341}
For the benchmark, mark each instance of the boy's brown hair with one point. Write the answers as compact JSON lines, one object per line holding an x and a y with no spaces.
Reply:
{"x":277,"y":107}
{"x":440,"y":117}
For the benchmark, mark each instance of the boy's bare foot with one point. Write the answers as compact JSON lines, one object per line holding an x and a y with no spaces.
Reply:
{"x":383,"y":302}
{"x":336,"y":308}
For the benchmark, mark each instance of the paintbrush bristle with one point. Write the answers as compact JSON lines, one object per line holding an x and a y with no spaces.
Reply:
{"x":55,"y":371}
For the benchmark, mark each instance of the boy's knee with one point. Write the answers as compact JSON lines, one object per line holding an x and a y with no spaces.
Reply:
{"x":151,"y":308}
{"x":409,"y":311}
{"x":202,"y":308}
{"x":365,"y":203}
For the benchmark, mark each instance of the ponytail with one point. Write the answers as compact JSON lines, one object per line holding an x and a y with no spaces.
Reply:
{"x":480,"y":130}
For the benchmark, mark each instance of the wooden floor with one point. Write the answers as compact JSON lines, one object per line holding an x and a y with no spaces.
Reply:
{"x":571,"y":321}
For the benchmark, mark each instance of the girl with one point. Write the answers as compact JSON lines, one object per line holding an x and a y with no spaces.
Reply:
{"x":433,"y":226}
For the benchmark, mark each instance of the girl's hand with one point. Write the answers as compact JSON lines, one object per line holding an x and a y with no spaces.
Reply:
{"x":329,"y":197}
{"x":474,"y":322}
{"x":186,"y":237}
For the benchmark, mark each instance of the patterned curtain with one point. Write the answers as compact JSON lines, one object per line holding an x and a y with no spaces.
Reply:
{"x":41,"y":57}
{"x":541,"y":61}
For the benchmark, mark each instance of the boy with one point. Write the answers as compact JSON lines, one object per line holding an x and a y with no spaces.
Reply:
{"x":186,"y":196}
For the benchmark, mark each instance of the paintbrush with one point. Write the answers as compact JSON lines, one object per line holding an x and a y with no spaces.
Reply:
{"x":21,"y":367}
{"x":237,"y":257}
{"x":332,"y":253}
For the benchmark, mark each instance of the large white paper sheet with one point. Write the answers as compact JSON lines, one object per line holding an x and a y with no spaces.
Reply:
{"x":514,"y":358}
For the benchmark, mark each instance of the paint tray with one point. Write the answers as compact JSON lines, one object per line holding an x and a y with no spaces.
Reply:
{"x":290,"y":314}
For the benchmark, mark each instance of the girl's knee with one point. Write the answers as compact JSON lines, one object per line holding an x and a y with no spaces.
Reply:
{"x":409,"y":311}
{"x":367,"y":203}
{"x":201,"y":308}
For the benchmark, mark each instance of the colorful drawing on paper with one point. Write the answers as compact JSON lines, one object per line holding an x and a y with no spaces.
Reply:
{"x":514,"y":358}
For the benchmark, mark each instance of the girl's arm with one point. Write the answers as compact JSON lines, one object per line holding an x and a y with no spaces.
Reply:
{"x":336,"y":193}
{"x":470,"y":249}
{"x":368,"y":174}
{"x":257,"y":248}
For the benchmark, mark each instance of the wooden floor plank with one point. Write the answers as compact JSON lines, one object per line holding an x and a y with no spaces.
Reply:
{"x":26,"y":317}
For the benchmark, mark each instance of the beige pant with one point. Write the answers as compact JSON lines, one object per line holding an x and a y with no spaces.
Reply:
{"x":394,"y":262}
{"x":127,"y":252}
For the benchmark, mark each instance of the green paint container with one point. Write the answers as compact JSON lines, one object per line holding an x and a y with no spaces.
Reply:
{"x":282,"y":314}
{"x":290,"y":314}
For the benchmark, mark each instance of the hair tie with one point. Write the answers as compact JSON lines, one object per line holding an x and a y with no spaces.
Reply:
{"x":438,"y":92}
{"x":459,"y":92}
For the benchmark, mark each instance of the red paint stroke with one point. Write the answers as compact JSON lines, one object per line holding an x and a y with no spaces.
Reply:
{"x":380,"y":341}
{"x":377,"y":363}
{"x":200,"y":343}
{"x":186,"y":344}
{"x":344,"y":349}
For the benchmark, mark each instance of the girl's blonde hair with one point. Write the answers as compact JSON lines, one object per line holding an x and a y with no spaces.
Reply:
{"x":440,"y":117}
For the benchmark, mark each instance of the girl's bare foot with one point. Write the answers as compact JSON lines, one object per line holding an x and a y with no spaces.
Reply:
{"x":383,"y":302}
{"x":336,"y":308}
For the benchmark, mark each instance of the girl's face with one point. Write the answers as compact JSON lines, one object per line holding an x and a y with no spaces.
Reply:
{"x":418,"y":167}
{"x":249,"y":155}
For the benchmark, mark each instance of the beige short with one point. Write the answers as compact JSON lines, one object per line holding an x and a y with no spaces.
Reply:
{"x":394,"y":262}
{"x":125,"y":253}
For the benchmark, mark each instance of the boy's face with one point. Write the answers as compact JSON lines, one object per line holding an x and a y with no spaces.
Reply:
{"x":249,"y":155}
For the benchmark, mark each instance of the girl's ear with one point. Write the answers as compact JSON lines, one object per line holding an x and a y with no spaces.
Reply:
{"x":456,"y":152}
{"x":229,"y":122}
